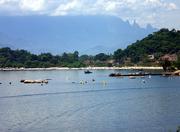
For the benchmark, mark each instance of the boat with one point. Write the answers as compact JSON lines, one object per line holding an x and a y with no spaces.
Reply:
{"x":132,"y":77}
{"x":34,"y":81}
{"x":87,"y":72}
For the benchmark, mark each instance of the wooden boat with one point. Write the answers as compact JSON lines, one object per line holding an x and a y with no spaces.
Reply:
{"x":34,"y":81}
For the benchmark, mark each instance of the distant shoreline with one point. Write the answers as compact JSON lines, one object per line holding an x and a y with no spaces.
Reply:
{"x":83,"y":68}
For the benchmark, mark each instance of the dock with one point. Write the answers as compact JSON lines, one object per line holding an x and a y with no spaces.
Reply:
{"x":140,"y":74}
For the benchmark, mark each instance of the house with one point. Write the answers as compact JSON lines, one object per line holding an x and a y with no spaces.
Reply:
{"x":110,"y":61}
{"x":169,"y":57}
{"x":151,"y":57}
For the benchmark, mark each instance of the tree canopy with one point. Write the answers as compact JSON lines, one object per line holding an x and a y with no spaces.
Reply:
{"x":157,"y":44}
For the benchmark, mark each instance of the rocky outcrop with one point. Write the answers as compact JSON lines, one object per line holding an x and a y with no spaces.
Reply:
{"x":34,"y":81}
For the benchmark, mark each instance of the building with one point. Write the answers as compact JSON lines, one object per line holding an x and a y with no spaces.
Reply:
{"x":151,"y":57}
{"x":169,"y":57}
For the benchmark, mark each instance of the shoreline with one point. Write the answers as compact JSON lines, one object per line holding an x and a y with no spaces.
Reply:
{"x":83,"y":68}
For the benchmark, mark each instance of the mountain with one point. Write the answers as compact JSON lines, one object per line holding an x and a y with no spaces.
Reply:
{"x":87,"y":34}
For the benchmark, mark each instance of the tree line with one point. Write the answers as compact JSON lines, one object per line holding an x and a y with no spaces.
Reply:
{"x":157,"y":44}
{"x":23,"y":58}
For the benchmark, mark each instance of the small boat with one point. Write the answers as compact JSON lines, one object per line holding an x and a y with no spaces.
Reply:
{"x":34,"y":81}
{"x":87,"y":72}
{"x":132,"y":77}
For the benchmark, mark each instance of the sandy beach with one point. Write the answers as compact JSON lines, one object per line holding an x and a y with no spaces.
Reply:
{"x":82,"y":68}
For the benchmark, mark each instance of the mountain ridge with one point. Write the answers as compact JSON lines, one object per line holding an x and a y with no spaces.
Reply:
{"x":70,"y":33}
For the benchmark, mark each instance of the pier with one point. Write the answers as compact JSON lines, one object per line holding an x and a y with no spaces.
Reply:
{"x":141,"y":74}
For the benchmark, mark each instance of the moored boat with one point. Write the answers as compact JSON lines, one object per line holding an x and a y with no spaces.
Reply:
{"x":87,"y":72}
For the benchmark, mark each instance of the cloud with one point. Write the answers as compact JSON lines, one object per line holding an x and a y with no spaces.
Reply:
{"x":143,"y":11}
{"x":32,"y":5}
{"x":68,"y":8}
{"x":172,"y":6}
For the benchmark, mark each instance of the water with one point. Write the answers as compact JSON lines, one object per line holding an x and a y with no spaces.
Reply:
{"x":119,"y":105}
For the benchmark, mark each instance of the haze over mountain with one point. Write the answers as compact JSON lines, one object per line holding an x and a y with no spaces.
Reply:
{"x":58,"y":34}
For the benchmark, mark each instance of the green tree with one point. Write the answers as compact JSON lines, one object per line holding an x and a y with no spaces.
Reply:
{"x":119,"y":56}
{"x":101,"y":57}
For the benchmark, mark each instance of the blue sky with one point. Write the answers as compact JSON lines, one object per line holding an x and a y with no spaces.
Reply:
{"x":159,"y":13}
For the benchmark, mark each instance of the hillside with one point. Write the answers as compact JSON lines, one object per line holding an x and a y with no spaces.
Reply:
{"x":158,"y":44}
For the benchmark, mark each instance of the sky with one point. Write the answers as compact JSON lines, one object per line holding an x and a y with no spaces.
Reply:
{"x":159,"y":13}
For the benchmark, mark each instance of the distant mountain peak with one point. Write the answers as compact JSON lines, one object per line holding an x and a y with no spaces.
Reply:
{"x":68,"y":33}
{"x":135,"y":24}
{"x":149,"y":26}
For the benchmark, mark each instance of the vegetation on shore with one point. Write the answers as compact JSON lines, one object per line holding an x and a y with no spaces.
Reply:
{"x":160,"y":48}
{"x":23,"y":58}
{"x":147,"y":52}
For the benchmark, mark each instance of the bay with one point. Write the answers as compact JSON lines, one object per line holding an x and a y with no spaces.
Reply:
{"x":104,"y":105}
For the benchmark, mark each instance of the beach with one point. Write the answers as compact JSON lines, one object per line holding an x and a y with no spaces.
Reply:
{"x":83,"y":68}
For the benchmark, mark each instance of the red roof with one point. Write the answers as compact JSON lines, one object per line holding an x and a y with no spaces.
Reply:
{"x":169,"y":57}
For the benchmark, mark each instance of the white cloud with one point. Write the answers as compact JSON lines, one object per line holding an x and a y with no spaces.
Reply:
{"x":144,"y":11}
{"x":6,"y":1}
{"x":64,"y":9}
{"x":171,"y":6}
{"x":111,"y":6}
{"x":32,"y":5}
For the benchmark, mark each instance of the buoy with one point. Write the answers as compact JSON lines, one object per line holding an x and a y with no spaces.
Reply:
{"x":81,"y":82}
{"x":104,"y":82}
{"x":143,"y":81}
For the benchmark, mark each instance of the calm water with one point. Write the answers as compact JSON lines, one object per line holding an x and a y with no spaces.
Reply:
{"x":122,"y":105}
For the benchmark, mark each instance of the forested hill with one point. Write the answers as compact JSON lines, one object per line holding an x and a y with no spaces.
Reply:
{"x":159,"y":43}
